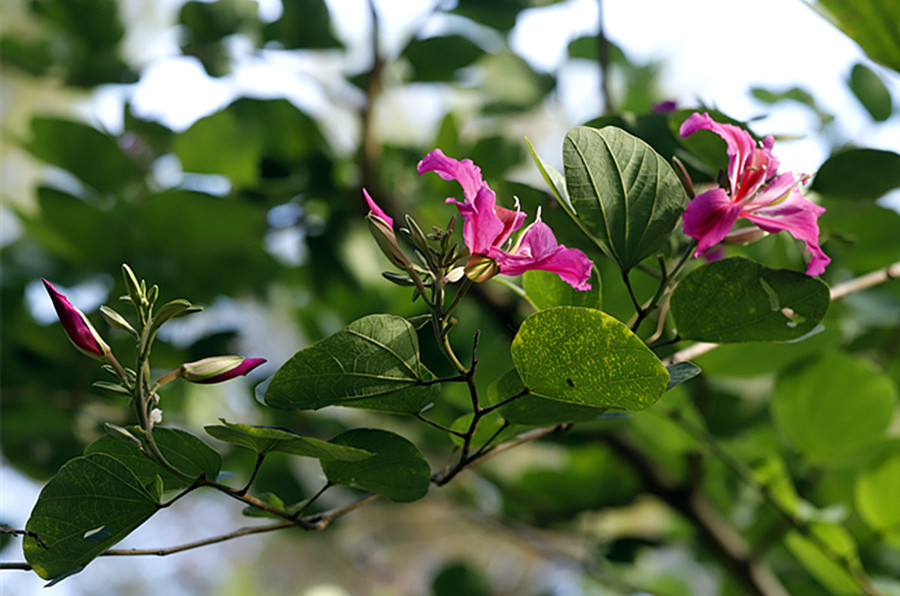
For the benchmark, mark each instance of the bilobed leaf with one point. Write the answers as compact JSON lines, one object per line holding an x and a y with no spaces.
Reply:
{"x":93,"y":502}
{"x":182,"y":449}
{"x":264,"y":439}
{"x":877,"y":496}
{"x":546,"y":290}
{"x":738,"y":300}
{"x":834,"y":408}
{"x":376,"y":357}
{"x":871,"y":92}
{"x":532,"y":410}
{"x":583,"y":356}
{"x":624,"y":194}
{"x":397,"y":470}
{"x":858,"y":174}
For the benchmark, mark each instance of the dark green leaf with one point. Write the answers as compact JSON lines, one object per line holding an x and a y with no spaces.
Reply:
{"x":626,"y":196}
{"x":182,"y":449}
{"x":303,"y":24}
{"x":737,"y":300}
{"x":397,"y":470}
{"x":438,"y":58}
{"x":871,"y":92}
{"x":91,"y":504}
{"x":218,"y":144}
{"x":834,"y":408}
{"x":499,"y":14}
{"x":373,"y":358}
{"x":532,"y":410}
{"x":91,"y":156}
{"x":546,"y":290}
{"x":584,"y":356}
{"x":681,"y":372}
{"x":861,"y":174}
{"x":264,"y":439}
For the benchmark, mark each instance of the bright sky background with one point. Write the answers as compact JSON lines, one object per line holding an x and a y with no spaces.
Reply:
{"x":714,"y":51}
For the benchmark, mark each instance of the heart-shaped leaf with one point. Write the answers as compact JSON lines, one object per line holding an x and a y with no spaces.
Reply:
{"x":584,"y":356}
{"x":624,"y":193}
{"x":373,"y":362}
{"x":397,"y":470}
{"x":93,"y":502}
{"x":738,"y":300}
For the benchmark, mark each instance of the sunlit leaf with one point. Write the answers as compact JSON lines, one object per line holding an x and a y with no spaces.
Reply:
{"x":877,"y":496}
{"x":738,"y":300}
{"x":584,"y":356}
{"x":834,"y":408}
{"x":532,"y":410}
{"x":546,"y":290}
{"x":870,"y":23}
{"x":822,"y":566}
{"x":92,"y":503}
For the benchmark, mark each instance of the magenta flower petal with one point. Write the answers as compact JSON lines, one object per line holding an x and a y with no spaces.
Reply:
{"x":376,"y":210}
{"x":709,"y":217}
{"x":799,"y":218}
{"x":77,"y":326}
{"x":488,"y":227}
{"x":217,"y":369}
{"x":538,"y":250}
{"x":771,"y":202}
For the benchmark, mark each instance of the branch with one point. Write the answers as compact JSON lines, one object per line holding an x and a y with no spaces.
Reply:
{"x":838,"y":292}
{"x":191,"y":545}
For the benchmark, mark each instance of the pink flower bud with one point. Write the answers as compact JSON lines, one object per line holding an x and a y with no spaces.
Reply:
{"x":217,"y":369}
{"x":77,"y":326}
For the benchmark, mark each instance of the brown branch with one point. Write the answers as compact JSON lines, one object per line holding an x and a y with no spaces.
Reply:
{"x":191,"y":545}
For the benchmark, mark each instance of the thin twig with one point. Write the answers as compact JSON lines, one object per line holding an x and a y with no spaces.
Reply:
{"x":199,"y":543}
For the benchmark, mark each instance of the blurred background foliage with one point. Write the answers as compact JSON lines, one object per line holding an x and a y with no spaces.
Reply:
{"x":254,"y":211}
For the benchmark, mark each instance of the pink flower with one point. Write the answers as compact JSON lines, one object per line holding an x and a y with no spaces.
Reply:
{"x":758,"y":194}
{"x":217,"y":369}
{"x":77,"y":326}
{"x":487,"y":228}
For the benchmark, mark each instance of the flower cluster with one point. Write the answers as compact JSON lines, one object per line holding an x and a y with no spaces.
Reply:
{"x":488,"y":230}
{"x":755,"y":192}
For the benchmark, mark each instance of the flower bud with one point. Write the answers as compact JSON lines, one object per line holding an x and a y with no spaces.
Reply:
{"x":481,"y":268}
{"x":387,"y":241}
{"x":77,"y":326}
{"x":217,"y":369}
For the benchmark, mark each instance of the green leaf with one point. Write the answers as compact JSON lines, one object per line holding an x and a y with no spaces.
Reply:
{"x":831,"y":575}
{"x":860,"y":174}
{"x":183,"y":450}
{"x":877,"y":496}
{"x":397,"y":470}
{"x":436,"y":59}
{"x":490,"y":428}
{"x":870,"y":23}
{"x":304,"y":24}
{"x":555,"y":180}
{"x":681,"y":372}
{"x":624,"y":193}
{"x":373,"y":358}
{"x":871,"y":92}
{"x":532,"y":410}
{"x":737,"y":300}
{"x":92,"y":156}
{"x":584,"y":356}
{"x":835,"y":408}
{"x":499,"y":14}
{"x":546,"y":290}
{"x":218,"y":144}
{"x":92,"y":503}
{"x":264,"y":439}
